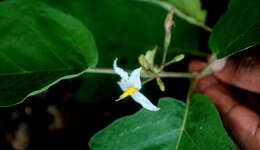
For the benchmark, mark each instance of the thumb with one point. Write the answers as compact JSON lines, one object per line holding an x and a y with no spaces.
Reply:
{"x":242,"y":72}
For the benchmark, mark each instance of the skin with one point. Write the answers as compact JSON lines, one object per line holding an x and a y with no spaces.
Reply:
{"x":242,"y":121}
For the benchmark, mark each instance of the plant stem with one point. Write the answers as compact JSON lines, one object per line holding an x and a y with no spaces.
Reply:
{"x":207,"y":70}
{"x":168,"y":63}
{"x":100,"y":70}
{"x":207,"y":28}
{"x":148,"y":80}
{"x":146,"y":74}
{"x":192,"y":86}
{"x":164,"y":58}
{"x":174,"y":75}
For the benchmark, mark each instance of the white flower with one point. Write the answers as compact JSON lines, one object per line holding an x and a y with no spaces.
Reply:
{"x":131,"y":86}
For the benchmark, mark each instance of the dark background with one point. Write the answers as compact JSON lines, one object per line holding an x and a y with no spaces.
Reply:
{"x":80,"y":121}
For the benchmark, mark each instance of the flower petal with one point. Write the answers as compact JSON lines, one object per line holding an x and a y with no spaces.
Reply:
{"x":141,"y":99}
{"x":120,"y":71}
{"x":124,"y":85}
{"x":134,"y":78}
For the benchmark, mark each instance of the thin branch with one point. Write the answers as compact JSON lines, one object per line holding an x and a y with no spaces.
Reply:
{"x":207,"y":28}
{"x":148,"y":80}
{"x":146,"y":74}
{"x":101,"y":70}
{"x":168,"y":63}
{"x":207,"y":70}
{"x":175,"y":75}
{"x":164,"y":57}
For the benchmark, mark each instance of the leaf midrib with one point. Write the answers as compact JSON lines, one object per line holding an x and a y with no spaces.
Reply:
{"x":182,"y":128}
{"x":154,"y":138}
{"x":238,"y":37}
{"x":184,"y":122}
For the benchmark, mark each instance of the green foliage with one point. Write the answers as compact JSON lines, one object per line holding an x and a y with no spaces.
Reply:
{"x":238,"y":29}
{"x":167,"y":129}
{"x":125,"y":29}
{"x":39,"y":46}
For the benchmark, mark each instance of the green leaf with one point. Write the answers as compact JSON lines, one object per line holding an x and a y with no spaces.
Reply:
{"x":39,"y":46}
{"x":167,"y":129}
{"x":189,"y":10}
{"x":238,"y":29}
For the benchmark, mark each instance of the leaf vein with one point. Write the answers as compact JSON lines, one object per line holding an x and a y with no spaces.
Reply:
{"x":41,"y":39}
{"x":196,"y":145}
{"x":155,"y":138}
{"x":13,"y":62}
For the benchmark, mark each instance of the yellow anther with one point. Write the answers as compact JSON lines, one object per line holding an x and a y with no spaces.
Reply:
{"x":129,"y":91}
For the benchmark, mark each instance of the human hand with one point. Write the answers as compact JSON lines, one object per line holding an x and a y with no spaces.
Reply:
{"x":243,"y":122}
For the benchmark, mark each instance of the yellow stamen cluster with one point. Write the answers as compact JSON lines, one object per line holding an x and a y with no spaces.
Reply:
{"x":129,"y":91}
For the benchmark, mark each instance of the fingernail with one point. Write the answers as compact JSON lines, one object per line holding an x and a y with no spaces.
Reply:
{"x":219,"y":64}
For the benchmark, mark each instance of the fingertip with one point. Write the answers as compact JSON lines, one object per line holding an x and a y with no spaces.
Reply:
{"x":196,"y":65}
{"x":206,"y":82}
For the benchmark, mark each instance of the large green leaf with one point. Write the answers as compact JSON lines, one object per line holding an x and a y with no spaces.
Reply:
{"x":189,"y":10}
{"x":238,"y":29}
{"x":38,"y":47}
{"x":124,"y":29}
{"x":167,"y":129}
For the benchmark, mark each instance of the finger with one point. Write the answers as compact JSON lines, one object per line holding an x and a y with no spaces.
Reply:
{"x":244,"y":73}
{"x":242,"y":122}
{"x":205,"y":82}
{"x":196,"y":65}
